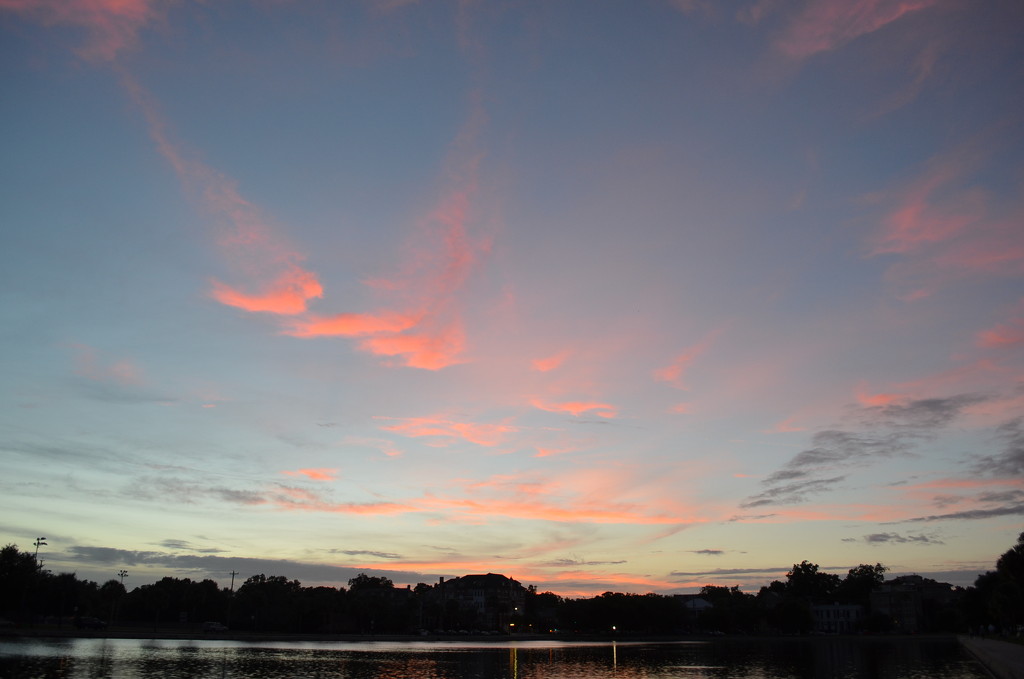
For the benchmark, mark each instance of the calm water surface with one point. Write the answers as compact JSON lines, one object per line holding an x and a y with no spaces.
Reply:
{"x":818,"y":658}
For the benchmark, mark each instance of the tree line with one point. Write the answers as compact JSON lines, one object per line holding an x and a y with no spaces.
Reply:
{"x":29,"y":594}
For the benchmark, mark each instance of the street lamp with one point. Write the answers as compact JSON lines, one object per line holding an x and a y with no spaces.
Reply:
{"x":39,"y":541}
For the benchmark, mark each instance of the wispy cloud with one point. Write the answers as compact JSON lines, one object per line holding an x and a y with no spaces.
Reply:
{"x":351,"y":325}
{"x":364,"y":552}
{"x":482,"y":434}
{"x":550,"y":363}
{"x":934,"y":207}
{"x":287,"y":293}
{"x":576,"y":408}
{"x":1008,"y":334}
{"x":119,"y":380}
{"x":776,"y":571}
{"x":423,"y":324}
{"x":1010,"y":461}
{"x":947,"y":222}
{"x":790,"y":492}
{"x":321,"y":474}
{"x":888,"y":430}
{"x":597,"y":498}
{"x":925,"y":414}
{"x":248,"y":240}
{"x":888,"y":538}
{"x":576,"y":563}
{"x":185,"y":545}
{"x":383,"y":445}
{"x":675,"y":372}
{"x":170,"y":488}
{"x":1013,"y":509}
{"x":89,"y":365}
{"x":825,"y":25}
{"x":112,"y":25}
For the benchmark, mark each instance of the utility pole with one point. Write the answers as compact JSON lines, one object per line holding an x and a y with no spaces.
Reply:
{"x":231,"y":596}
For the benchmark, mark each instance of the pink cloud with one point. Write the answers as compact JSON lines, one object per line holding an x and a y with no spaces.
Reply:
{"x":351,"y":325}
{"x":931,"y":210}
{"x":576,"y":408}
{"x":551,"y":362}
{"x":320,"y":474}
{"x":112,"y":25}
{"x":824,"y":25}
{"x":787,"y":426}
{"x":248,"y":241}
{"x":595,"y":495}
{"x":594,"y":498}
{"x":430,"y":350}
{"x":1004,"y":334}
{"x":301,"y":499}
{"x":287,"y":502}
{"x":536,"y":509}
{"x":423,"y":325}
{"x":482,"y":434}
{"x":754,"y":13}
{"x":999,"y":250}
{"x":946,"y":226}
{"x":549,"y":451}
{"x":286,"y":294}
{"x":675,"y":372}
{"x":865,"y":398}
{"x":383,"y":445}
{"x":89,"y":365}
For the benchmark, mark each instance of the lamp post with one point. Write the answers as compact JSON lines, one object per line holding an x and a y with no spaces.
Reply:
{"x":117,"y":602}
{"x":39,"y":542}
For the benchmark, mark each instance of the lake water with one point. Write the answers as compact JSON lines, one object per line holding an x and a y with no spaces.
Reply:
{"x":815,"y":658}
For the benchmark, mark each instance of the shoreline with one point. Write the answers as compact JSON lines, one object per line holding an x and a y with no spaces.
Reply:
{"x":263,"y":637}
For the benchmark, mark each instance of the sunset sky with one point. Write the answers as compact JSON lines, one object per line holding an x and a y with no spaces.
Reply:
{"x":633,"y":295}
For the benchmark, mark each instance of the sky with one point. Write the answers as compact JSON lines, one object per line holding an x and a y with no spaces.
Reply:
{"x":601,"y":295}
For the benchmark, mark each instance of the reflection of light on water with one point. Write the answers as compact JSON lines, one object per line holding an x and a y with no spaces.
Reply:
{"x":549,"y":659}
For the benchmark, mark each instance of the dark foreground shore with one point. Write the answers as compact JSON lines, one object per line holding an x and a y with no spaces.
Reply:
{"x":1003,"y":659}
